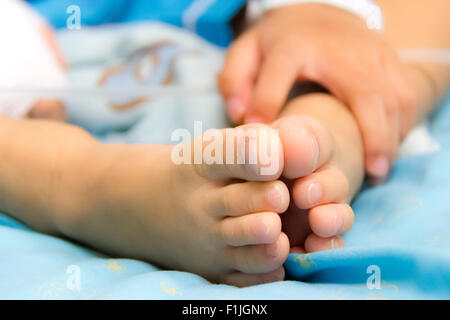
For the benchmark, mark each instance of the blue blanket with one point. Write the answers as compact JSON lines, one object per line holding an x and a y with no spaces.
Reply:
{"x":399,"y":247}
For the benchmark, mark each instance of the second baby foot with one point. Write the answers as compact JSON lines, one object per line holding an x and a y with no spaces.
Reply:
{"x":323,"y":168}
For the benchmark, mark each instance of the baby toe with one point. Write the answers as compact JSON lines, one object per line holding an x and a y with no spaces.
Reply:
{"x":314,"y":243}
{"x":240,"y":279}
{"x":251,"y":229}
{"x":251,"y":152}
{"x":326,"y":185}
{"x":331,"y":219}
{"x":248,"y":197}
{"x":257,"y":259}
{"x":307,"y":145}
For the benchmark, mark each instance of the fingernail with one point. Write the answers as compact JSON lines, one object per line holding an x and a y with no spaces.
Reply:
{"x":254,"y":119}
{"x":314,"y":193}
{"x":236,"y":109}
{"x":271,"y":250}
{"x":379,"y":167}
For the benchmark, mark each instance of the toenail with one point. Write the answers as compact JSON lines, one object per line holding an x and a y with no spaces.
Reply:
{"x":247,"y":155}
{"x":274,"y":197}
{"x":271,"y":250}
{"x":254,"y":119}
{"x":314,"y":193}
{"x":261,"y":229}
{"x":337,"y":222}
{"x":336,"y":244}
{"x":379,"y":166}
{"x":315,"y":149}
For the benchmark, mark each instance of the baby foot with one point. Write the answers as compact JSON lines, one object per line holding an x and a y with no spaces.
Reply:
{"x":221,"y":221}
{"x":324,"y":168}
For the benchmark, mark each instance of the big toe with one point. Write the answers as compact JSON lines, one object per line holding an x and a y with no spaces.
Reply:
{"x":252,"y":152}
{"x":307,"y":145}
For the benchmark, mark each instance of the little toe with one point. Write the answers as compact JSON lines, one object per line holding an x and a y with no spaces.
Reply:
{"x":240,"y":279}
{"x":331,"y":219}
{"x":328,"y":184}
{"x":314,"y":243}
{"x":248,"y":197}
{"x":307,"y":145}
{"x":251,"y":229}
{"x":258,"y":258}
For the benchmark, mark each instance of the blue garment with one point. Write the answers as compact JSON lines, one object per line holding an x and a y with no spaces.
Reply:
{"x":208,"y":18}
